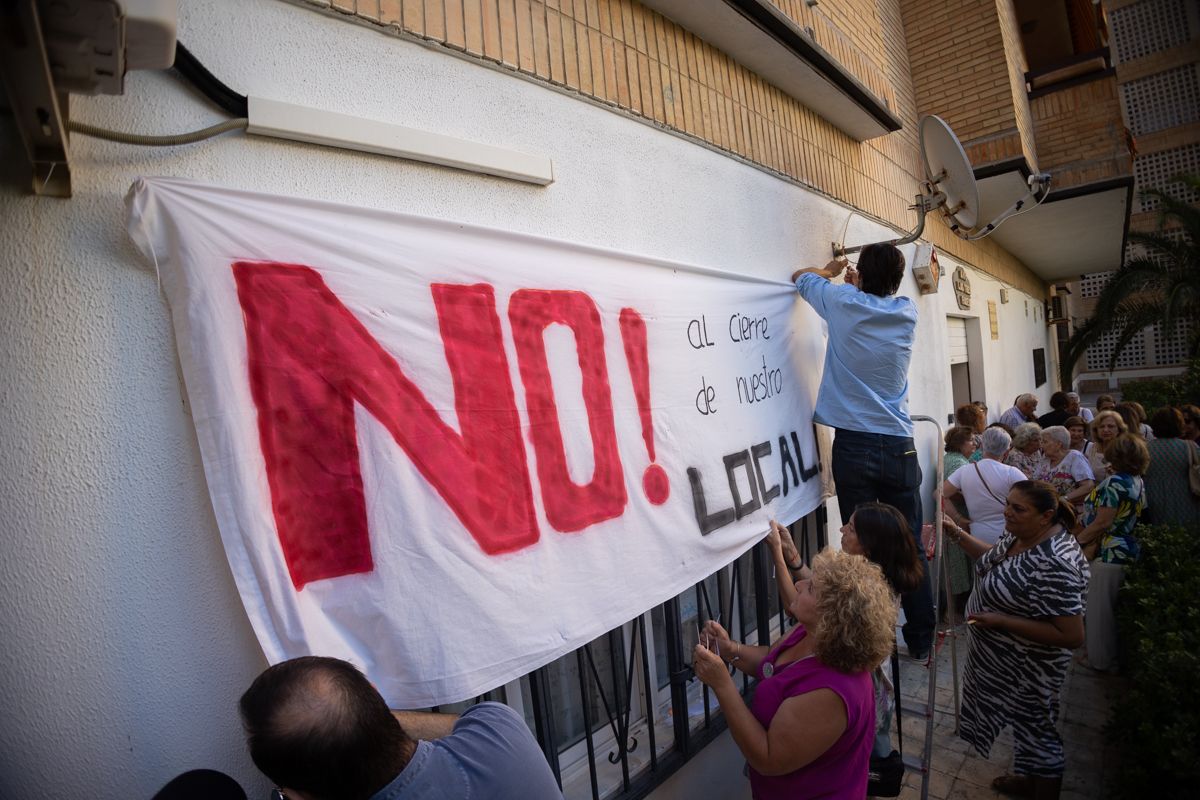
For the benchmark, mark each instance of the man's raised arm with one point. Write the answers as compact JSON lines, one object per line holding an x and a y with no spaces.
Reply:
{"x":829,"y":271}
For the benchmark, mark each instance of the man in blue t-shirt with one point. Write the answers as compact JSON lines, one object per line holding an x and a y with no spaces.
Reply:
{"x":864,"y":397}
{"x":318,"y":729}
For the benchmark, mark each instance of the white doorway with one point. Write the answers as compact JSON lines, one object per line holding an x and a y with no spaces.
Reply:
{"x":966,"y":361}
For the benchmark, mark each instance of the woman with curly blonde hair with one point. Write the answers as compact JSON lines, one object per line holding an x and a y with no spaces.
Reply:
{"x":812,"y":723}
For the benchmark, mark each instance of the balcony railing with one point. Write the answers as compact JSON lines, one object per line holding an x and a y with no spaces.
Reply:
{"x":1070,"y":71}
{"x":621,"y":714}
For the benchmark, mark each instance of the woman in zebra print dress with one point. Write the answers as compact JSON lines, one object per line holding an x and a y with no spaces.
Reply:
{"x":1026,"y":616}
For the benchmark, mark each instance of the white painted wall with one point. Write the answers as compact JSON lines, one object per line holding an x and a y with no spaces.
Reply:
{"x":125,"y":646}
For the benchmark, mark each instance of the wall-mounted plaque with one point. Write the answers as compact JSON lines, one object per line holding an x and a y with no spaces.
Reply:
{"x":962,"y":289}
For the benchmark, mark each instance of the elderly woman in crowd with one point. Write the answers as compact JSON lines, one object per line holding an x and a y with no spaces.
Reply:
{"x":1143,"y":417}
{"x":1135,"y":420}
{"x":1026,"y":454}
{"x":1027,"y":614}
{"x":1063,"y":468}
{"x":1166,"y":478}
{"x":810,"y":729}
{"x":1078,"y":430}
{"x":1106,"y":427}
{"x":974,"y":417}
{"x":1110,"y":514}
{"x":984,"y":488}
{"x":1191,"y":423}
{"x":960,"y":446}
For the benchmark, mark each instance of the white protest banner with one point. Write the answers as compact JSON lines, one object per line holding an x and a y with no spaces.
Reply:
{"x":452,"y":454}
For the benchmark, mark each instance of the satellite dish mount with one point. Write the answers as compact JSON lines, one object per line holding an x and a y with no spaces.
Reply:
{"x":949,"y":187}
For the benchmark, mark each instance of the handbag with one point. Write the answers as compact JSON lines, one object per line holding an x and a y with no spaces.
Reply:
{"x":885,"y":775}
{"x":1193,"y":469}
{"x":985,"y":485}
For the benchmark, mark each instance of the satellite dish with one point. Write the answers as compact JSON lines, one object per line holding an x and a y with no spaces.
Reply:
{"x":950,"y":188}
{"x":948,"y":170}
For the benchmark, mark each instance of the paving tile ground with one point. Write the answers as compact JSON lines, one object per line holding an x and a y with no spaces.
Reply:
{"x":957,"y":772}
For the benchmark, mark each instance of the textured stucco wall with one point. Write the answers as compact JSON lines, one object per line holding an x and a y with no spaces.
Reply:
{"x":125,"y":645}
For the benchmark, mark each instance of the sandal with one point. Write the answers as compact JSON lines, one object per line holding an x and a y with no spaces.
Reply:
{"x":1014,"y":785}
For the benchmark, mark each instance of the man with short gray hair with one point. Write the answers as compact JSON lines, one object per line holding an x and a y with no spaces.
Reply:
{"x":1076,"y":410}
{"x":1021,"y":412}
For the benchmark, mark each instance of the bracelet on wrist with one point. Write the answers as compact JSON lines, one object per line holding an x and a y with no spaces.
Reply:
{"x":737,"y":652}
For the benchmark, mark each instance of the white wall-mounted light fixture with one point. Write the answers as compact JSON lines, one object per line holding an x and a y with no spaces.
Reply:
{"x":299,"y":123}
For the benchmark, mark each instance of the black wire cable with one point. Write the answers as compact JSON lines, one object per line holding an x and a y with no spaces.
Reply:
{"x":195,"y":73}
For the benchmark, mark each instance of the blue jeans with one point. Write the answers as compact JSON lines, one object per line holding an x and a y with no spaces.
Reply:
{"x":874,"y":466}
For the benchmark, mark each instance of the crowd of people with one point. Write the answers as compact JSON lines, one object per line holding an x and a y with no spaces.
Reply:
{"x":1047,"y":516}
{"x":1040,"y":527}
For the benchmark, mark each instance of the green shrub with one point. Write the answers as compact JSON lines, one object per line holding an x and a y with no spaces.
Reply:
{"x":1156,"y":723}
{"x":1154,"y":393}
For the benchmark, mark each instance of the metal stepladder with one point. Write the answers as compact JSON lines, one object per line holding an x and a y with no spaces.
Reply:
{"x":938,"y":577}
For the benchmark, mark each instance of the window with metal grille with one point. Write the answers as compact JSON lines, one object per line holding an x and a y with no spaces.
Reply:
{"x":1132,"y":356}
{"x":1162,"y":100}
{"x":620,"y":715}
{"x":1159,"y":170}
{"x":1093,"y":283}
{"x":1148,"y":27}
{"x":1134,"y":250}
{"x":1172,"y":350}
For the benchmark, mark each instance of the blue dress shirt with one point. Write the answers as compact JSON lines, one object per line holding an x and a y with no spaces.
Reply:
{"x":865,"y":384}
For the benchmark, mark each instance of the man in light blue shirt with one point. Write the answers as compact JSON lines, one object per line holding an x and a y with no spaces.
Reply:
{"x":1022,"y":411}
{"x":319,"y":730}
{"x":864,"y":397}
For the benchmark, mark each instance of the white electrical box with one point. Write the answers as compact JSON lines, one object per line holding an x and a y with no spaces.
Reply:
{"x":91,"y":44}
{"x":925,"y":268}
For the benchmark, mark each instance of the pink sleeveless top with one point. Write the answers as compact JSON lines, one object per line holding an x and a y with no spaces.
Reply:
{"x":839,"y":772}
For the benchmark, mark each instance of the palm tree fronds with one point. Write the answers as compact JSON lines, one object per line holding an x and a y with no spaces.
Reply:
{"x":1160,"y":286}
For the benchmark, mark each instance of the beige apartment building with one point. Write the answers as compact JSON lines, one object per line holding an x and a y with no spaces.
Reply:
{"x":740,"y":135}
{"x":1155,"y":50}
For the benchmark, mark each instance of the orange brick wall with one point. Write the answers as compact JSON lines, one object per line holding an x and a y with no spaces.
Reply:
{"x":621,"y":54}
{"x":1014,"y":55}
{"x":1080,"y":135}
{"x":961,"y":73}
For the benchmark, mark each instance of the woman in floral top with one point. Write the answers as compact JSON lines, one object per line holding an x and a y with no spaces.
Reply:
{"x":1110,"y":514}
{"x":1064,"y":469}
{"x":1026,"y":454}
